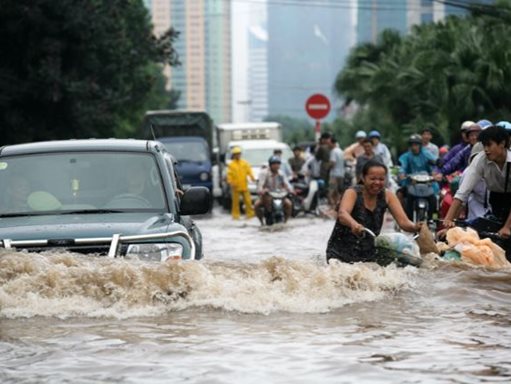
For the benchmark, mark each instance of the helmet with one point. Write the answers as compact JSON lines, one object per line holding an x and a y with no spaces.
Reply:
{"x":473,"y":128}
{"x":360,"y":135}
{"x":274,"y":160}
{"x":484,"y":123}
{"x":466,"y":124}
{"x":374,"y":134}
{"x":504,"y":124}
{"x":415,"y":139}
{"x":235,"y":150}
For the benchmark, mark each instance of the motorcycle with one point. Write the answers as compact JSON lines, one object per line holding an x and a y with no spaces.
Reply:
{"x":447,"y":190}
{"x":276,"y":215}
{"x":421,"y":202}
{"x":306,"y":197}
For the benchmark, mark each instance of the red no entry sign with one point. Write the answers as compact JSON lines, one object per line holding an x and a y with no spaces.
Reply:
{"x":317,"y":106}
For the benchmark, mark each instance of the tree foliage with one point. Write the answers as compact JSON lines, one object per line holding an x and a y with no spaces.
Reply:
{"x":78,"y":68}
{"x":438,"y":76}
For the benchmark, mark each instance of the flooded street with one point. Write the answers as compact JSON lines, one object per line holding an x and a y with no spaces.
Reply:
{"x":261,"y":307}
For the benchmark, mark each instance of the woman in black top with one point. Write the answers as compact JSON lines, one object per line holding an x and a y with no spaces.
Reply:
{"x":363,"y":206}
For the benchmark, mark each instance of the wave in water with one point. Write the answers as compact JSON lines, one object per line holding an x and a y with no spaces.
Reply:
{"x":65,"y":285}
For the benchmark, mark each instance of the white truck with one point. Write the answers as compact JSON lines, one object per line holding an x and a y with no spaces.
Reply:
{"x":257,"y":142}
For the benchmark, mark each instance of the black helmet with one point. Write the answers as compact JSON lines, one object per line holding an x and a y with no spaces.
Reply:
{"x":274,"y":160}
{"x":415,"y":139}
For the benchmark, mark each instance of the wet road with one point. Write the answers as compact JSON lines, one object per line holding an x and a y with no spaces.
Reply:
{"x":261,"y":307}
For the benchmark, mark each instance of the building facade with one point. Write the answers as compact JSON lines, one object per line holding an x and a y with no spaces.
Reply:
{"x":307,"y":47}
{"x":373,"y":16}
{"x":204,"y":49}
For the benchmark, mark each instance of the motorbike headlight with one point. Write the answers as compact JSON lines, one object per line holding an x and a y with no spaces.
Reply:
{"x":204,"y":176}
{"x":156,"y":251}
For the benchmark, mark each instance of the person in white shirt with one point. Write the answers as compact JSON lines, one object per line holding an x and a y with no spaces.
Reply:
{"x":336,"y":177}
{"x":493,"y":165}
{"x":380,"y":149}
{"x":427,"y":135}
{"x":285,"y":167}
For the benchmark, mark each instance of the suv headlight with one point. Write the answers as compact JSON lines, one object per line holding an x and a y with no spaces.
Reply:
{"x":155,"y":251}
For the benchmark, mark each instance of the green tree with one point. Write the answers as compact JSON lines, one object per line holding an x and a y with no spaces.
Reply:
{"x":75,"y":69}
{"x":439,"y":75}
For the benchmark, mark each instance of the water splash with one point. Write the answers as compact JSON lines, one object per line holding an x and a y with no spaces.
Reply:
{"x":65,"y":285}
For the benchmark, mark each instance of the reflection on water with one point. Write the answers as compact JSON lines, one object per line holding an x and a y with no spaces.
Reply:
{"x":264,"y":309}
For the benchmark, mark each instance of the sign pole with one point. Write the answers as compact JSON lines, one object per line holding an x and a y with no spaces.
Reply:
{"x":317,"y":130}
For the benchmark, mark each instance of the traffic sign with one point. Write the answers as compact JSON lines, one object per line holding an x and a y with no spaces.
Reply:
{"x":317,"y":106}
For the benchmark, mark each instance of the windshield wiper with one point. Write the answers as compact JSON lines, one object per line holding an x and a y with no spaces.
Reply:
{"x":19,"y":214}
{"x":90,"y":211}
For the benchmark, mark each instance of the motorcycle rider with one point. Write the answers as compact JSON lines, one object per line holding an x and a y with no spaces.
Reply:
{"x":368,"y":154}
{"x":458,"y":147}
{"x":427,"y":135}
{"x":285,"y":167}
{"x":460,"y":161}
{"x":355,"y":149}
{"x":272,"y":179}
{"x":380,"y":148}
{"x":415,"y":160}
{"x":493,"y":165}
{"x":364,"y":206}
{"x":297,"y":161}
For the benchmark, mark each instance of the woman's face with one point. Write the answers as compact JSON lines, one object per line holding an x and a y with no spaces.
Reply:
{"x":472,"y":137}
{"x":374,"y":180}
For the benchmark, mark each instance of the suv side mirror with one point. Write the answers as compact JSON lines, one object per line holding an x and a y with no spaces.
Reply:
{"x":195,"y":201}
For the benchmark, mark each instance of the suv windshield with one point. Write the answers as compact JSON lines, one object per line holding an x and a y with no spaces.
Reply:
{"x":84,"y":182}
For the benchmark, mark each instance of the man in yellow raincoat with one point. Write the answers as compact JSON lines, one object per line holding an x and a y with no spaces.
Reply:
{"x":237,"y":173}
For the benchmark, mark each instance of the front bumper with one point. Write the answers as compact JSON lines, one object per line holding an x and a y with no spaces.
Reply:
{"x":114,"y":243}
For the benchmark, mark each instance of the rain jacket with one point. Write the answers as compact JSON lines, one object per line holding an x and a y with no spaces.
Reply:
{"x":237,"y":173}
{"x":421,"y":162}
{"x":453,"y":152}
{"x":457,"y":163}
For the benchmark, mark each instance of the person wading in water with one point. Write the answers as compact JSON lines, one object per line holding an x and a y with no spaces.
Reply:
{"x":363,"y":206}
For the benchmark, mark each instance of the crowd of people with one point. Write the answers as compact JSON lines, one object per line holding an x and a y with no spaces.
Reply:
{"x":359,"y":187}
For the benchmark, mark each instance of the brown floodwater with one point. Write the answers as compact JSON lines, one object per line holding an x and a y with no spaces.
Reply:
{"x":262,"y":306}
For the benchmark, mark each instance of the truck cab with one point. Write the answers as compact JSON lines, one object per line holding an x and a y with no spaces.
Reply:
{"x":187,"y":135}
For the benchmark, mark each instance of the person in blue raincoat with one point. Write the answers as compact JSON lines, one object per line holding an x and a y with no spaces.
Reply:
{"x":415,"y":160}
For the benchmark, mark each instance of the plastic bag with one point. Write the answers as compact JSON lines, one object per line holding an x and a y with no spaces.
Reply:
{"x":398,"y":247}
{"x":473,"y":250}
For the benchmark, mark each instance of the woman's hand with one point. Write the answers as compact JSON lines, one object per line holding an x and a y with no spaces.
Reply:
{"x":357,"y":229}
{"x":418,"y":226}
{"x":504,"y":232}
{"x":448,"y":224}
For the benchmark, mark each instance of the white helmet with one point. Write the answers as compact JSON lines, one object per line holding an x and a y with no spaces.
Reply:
{"x":466,"y":124}
{"x":360,"y":135}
